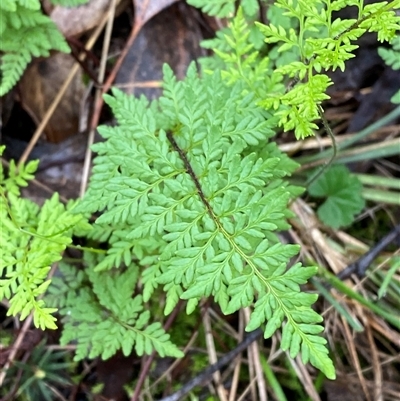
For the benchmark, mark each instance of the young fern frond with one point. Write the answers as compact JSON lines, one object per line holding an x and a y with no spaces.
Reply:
{"x":192,"y":193}
{"x":314,"y":40}
{"x":32,"y":240}
{"x":323,"y":43}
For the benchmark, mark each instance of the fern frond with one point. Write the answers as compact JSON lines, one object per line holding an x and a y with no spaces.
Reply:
{"x":105,"y":317}
{"x":32,"y":240}
{"x":192,"y":181}
{"x":12,"y":5}
{"x":323,"y":43}
{"x":26,"y":33}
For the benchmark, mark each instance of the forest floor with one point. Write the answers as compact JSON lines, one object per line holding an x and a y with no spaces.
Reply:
{"x":364,"y":257}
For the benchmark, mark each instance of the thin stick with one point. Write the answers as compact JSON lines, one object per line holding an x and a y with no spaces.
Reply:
{"x":205,"y":376}
{"x":334,"y":148}
{"x":235,"y":379}
{"x":99,"y":92}
{"x":59,"y":96}
{"x":212,"y":356}
{"x":15,"y":348}
{"x":146,"y":367}
{"x":360,"y":266}
{"x":259,"y":374}
{"x":111,"y":77}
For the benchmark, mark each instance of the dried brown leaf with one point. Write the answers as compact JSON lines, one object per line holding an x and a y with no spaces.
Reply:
{"x":74,"y":21}
{"x":147,"y":9}
{"x":40,"y":85}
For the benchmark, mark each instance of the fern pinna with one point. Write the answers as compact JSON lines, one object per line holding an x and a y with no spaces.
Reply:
{"x":191,"y":195}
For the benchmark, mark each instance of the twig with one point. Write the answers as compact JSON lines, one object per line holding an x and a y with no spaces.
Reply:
{"x":334,"y":148}
{"x":236,"y":372}
{"x":145,"y":370}
{"x":206,"y":375}
{"x":255,"y":351}
{"x":59,"y":96}
{"x":100,"y":78}
{"x":212,"y":355}
{"x":360,"y":266}
{"x":15,"y":348}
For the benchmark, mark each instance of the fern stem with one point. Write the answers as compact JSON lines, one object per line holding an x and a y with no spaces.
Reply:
{"x":190,"y":171}
{"x":334,"y":147}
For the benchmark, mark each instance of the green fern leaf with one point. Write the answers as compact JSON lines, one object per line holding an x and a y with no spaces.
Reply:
{"x":11,"y":5}
{"x":25,"y":33}
{"x":191,"y":181}
{"x":104,"y":317}
{"x":32,"y":240}
{"x":217,"y":8}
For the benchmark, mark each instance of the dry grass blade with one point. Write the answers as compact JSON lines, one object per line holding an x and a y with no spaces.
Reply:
{"x":354,"y":359}
{"x":212,"y":356}
{"x":99,"y":92}
{"x":254,"y":351}
{"x":39,"y":130}
{"x":378,"y":396}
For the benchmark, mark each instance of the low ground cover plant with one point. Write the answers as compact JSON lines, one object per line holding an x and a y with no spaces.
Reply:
{"x":189,"y":192}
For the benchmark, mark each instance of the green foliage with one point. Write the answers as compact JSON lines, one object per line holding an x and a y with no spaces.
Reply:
{"x":101,"y":315}
{"x":193,"y":194}
{"x":390,"y":278}
{"x":343,"y":193}
{"x":323,"y":43}
{"x":25,"y":33}
{"x":224,"y":8}
{"x":392,"y":58}
{"x":32,"y":239}
{"x":240,"y":59}
{"x":44,"y":368}
{"x":310,"y":42}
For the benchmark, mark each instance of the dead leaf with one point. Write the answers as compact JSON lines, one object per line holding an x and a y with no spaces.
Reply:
{"x":74,"y":21}
{"x":147,"y":9}
{"x":39,"y":86}
{"x":171,"y":37}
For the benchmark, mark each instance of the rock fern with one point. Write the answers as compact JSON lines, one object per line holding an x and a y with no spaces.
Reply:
{"x":191,"y":194}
